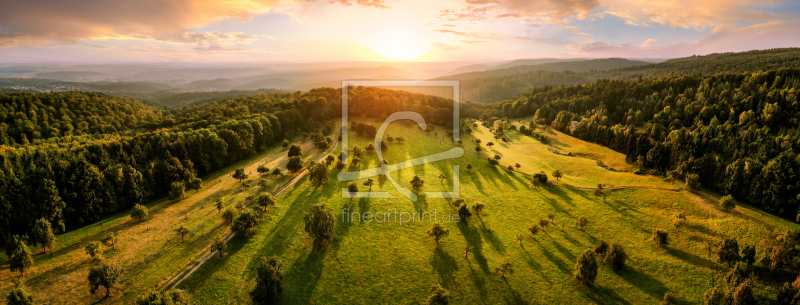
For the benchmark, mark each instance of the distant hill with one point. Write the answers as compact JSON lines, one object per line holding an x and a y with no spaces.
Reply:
{"x":72,"y":76}
{"x":574,"y":66}
{"x":498,"y":85}
{"x":219,"y":84}
{"x":471,"y":68}
{"x":536,"y":61}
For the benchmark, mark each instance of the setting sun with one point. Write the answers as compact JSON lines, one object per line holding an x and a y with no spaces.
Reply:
{"x":398,"y":43}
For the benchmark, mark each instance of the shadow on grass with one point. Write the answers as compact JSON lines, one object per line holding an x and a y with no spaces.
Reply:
{"x":475,"y":241}
{"x":693,"y":259}
{"x":445,"y":266}
{"x":603,"y":295}
{"x":563,"y":267}
{"x":643,"y":282}
{"x":304,"y":274}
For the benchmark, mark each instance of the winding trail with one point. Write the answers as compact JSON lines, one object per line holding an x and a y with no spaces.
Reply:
{"x":185,"y":271}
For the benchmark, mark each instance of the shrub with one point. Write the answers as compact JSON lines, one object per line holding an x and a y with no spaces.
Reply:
{"x":660,"y":237}
{"x":171,"y":296}
{"x":438,"y":296}
{"x":693,"y":182}
{"x":319,"y":222}
{"x":542,"y":177}
{"x":586,"y":268}
{"x":438,"y":231}
{"x":669,"y":299}
{"x":245,"y":223}
{"x":139,"y":212}
{"x":727,"y":202}
{"x":601,"y":247}
{"x":103,"y":274}
{"x":269,"y":281}
{"x":229,"y":215}
{"x":615,"y":256}
{"x":581,"y":222}
{"x":728,"y":252}
{"x":295,"y":150}
{"x":295,"y":164}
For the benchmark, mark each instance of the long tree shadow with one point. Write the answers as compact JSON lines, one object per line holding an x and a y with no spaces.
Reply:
{"x":494,"y":241}
{"x":693,"y":259}
{"x":514,"y":297}
{"x":603,"y":295}
{"x":560,"y":264}
{"x":303,"y":276}
{"x":564,"y":251}
{"x":480,"y":282}
{"x":445,"y":266}
{"x":474,"y":240}
{"x":643,"y":282}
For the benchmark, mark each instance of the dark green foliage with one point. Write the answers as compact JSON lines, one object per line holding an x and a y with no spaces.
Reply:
{"x":239,"y":174}
{"x":542,"y":177}
{"x":749,"y":255}
{"x":615,"y":256}
{"x":319,"y":223}
{"x":104,"y":275}
{"x":42,"y":234}
{"x":265,"y":201}
{"x":165,"y":297}
{"x":660,"y":238}
{"x":18,"y":296}
{"x":139,"y":212}
{"x":219,"y":246}
{"x":295,"y":164}
{"x":93,"y":249}
{"x":737,"y":276}
{"x":438,"y":296}
{"x":438,"y":231}
{"x":318,"y":173}
{"x":229,"y":215}
{"x":786,"y":294}
{"x":586,"y":268}
{"x":21,"y":258}
{"x":727,"y":202}
{"x":110,"y":241}
{"x":176,"y":191}
{"x":601,"y":247}
{"x":269,"y":282}
{"x":693,"y":182}
{"x":262,"y":169}
{"x":182,"y":232}
{"x":557,"y":174}
{"x":581,"y":222}
{"x":245,"y":223}
{"x":295,"y":150}
{"x":714,"y":296}
{"x":743,"y":295}
{"x":669,"y":299}
{"x":728,"y":251}
{"x":417,"y":183}
{"x":464,"y":213}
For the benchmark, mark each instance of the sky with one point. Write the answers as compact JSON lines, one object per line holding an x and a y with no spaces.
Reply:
{"x":251,"y":31}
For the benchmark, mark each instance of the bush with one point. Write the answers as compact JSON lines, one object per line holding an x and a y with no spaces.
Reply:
{"x":229,"y":214}
{"x":601,"y":247}
{"x":728,"y":252}
{"x":693,"y":182}
{"x":438,"y":296}
{"x":245,"y":223}
{"x":615,"y":256}
{"x":669,"y":299}
{"x":660,"y":238}
{"x":319,"y":222}
{"x":269,"y":281}
{"x":139,"y":212}
{"x":295,"y":164}
{"x":727,"y":202}
{"x":172,"y":296}
{"x":581,"y":222}
{"x":542,"y":177}
{"x":295,"y":150}
{"x":586,"y":268}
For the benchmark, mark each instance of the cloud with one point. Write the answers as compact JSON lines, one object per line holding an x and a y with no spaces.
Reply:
{"x":366,"y":3}
{"x":690,"y":14}
{"x":457,"y":33}
{"x":444,"y":47}
{"x":472,"y":13}
{"x":648,"y":42}
{"x":44,"y":21}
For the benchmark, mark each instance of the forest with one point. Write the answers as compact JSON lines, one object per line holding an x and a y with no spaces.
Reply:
{"x":732,"y":132}
{"x":74,"y":157}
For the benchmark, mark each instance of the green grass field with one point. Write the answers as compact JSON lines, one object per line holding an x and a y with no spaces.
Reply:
{"x":148,"y":251}
{"x":369,"y":263}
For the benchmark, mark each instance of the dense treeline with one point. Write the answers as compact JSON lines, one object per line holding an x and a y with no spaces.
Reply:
{"x":497,"y":88}
{"x":736,"y":132}
{"x":78,"y":178}
{"x":25,"y":117}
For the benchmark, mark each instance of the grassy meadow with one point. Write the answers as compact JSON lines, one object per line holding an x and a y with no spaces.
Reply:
{"x":368,"y":263}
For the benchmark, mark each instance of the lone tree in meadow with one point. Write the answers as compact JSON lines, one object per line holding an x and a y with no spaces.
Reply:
{"x":557,"y":174}
{"x":478,"y":149}
{"x":438,"y":231}
{"x":19,"y":296}
{"x":478,"y":207}
{"x":535,"y":183}
{"x":517,"y":166}
{"x":295,"y":164}
{"x":262,"y":169}
{"x":219,"y":246}
{"x":21,"y":258}
{"x":265,"y":201}
{"x":93,"y":249}
{"x":182,"y":232}
{"x":369,"y":183}
{"x":417,"y":183}
{"x":469,"y":167}
{"x":110,"y":241}
{"x":176,"y":191}
{"x":319,"y":222}
{"x":463,"y":212}
{"x":276,"y":171}
{"x":194,"y":184}
{"x":586,"y":268}
{"x":295,"y":150}
{"x":42,"y":234}
{"x":245,"y":223}
{"x":542,"y":177}
{"x":104,"y":274}
{"x":598,"y":192}
{"x":728,"y":251}
{"x":581,"y":222}
{"x":352,"y":188}
{"x":727,"y":202}
{"x":456,"y":203}
{"x":139,"y":212}
{"x":490,"y":144}
{"x":441,"y":179}
{"x":543,"y":222}
{"x":438,"y":296}
{"x":229,"y":215}
{"x":504,"y":269}
{"x":551,"y":217}
{"x":600,"y":247}
{"x":660,"y":238}
{"x":318,"y":173}
{"x":285,"y":143}
{"x":749,"y":255}
{"x":623,"y":211}
{"x":269,"y":282}
{"x":239,"y":174}
{"x":519,"y":238}
{"x":615,"y":256}
{"x":533,"y":229}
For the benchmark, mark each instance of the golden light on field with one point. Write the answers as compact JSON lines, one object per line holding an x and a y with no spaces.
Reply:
{"x":398,"y":43}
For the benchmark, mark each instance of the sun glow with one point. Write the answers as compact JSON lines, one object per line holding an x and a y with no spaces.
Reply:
{"x":398,"y":43}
